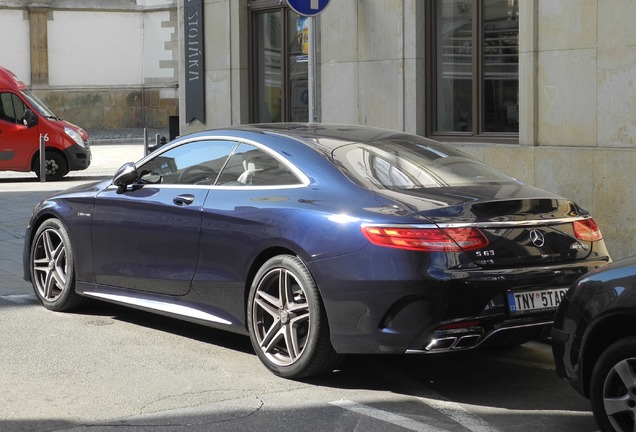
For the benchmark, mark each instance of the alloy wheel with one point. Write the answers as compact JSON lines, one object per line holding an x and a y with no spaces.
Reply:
{"x":50,"y":265}
{"x":281,"y":317}
{"x":619,"y":395}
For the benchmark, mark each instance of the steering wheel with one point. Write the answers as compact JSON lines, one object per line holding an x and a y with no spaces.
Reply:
{"x":197,"y":174}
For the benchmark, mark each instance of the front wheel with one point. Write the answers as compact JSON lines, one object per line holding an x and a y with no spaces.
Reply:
{"x":55,"y":167}
{"x":52,"y":267}
{"x":613,"y":387}
{"x":287,"y":322}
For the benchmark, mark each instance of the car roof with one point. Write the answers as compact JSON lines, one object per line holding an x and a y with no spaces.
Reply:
{"x":323,"y":136}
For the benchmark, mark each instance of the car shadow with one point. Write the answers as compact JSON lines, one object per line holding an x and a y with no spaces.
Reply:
{"x":199,"y":332}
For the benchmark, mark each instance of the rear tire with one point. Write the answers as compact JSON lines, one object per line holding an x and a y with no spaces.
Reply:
{"x":287,"y":321}
{"x":613,"y":387}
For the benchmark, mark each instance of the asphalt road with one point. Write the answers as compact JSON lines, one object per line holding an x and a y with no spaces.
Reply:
{"x":108,"y":368}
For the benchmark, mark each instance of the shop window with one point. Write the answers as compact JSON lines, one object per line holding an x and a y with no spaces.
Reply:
{"x":474,"y":68}
{"x":279,"y":63}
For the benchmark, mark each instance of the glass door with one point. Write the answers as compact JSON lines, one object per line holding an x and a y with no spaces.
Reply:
{"x":279,"y":65}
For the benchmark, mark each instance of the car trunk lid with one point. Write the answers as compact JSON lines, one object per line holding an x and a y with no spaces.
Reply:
{"x":523,"y":225}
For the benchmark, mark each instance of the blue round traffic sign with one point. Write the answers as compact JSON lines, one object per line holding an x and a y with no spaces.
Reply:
{"x":308,"y":7}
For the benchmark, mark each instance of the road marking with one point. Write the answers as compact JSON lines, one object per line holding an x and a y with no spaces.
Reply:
{"x":388,"y":417}
{"x":453,"y":410}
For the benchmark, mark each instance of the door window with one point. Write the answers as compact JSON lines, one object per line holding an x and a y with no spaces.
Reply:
{"x":194,"y":163}
{"x":252,"y":166}
{"x":11,"y":108}
{"x":222,"y":163}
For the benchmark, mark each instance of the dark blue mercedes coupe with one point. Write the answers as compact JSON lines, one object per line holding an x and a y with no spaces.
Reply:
{"x":317,"y":241}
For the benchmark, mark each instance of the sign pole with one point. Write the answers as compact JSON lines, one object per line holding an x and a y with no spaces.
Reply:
{"x":313,"y":72}
{"x":311,"y":9}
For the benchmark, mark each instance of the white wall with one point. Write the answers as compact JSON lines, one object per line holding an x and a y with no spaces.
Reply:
{"x":150,"y":3}
{"x":95,"y":48}
{"x":154,"y":47}
{"x":15,"y":56}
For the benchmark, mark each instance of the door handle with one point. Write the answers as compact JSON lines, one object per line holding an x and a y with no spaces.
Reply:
{"x":183,"y":200}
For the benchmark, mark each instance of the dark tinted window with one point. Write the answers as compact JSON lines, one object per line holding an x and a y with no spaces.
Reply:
{"x":11,"y":108}
{"x":399,"y":164}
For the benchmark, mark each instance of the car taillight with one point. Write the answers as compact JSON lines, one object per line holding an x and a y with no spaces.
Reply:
{"x":587,"y":230}
{"x":426,"y":239}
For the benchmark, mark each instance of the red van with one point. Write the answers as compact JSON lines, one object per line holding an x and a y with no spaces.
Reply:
{"x":23,"y":118}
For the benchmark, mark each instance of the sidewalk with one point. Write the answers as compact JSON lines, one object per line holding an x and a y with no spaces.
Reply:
{"x":19,"y":192}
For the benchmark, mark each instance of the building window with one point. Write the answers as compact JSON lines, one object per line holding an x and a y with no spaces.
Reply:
{"x":474,"y":68}
{"x":279,"y":63}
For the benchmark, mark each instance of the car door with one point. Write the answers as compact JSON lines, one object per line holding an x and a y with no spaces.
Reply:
{"x":253,"y":193}
{"x":18,"y":142}
{"x":147,"y":237}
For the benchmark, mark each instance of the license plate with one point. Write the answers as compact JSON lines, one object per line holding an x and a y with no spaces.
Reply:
{"x":530,"y":301}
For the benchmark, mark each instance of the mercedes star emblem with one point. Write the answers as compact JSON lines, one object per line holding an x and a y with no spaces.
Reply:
{"x":537,"y":238}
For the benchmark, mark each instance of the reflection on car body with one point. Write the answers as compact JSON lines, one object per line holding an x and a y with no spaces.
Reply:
{"x":316,"y":241}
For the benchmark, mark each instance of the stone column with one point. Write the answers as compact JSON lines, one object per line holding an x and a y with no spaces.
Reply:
{"x":38,"y":16}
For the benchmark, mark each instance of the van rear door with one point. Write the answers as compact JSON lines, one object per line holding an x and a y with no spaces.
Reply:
{"x":18,"y":142}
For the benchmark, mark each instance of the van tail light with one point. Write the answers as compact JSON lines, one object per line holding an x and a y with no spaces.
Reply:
{"x":587,"y":230}
{"x":426,"y":239}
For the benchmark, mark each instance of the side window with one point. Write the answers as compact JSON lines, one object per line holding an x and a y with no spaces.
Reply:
{"x":252,"y":166}
{"x":11,"y":108}
{"x":193,"y":163}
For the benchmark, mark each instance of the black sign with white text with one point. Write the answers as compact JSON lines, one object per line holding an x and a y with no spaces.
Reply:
{"x":194,"y":61}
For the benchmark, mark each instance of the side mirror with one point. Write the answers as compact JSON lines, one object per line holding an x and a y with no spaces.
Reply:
{"x":29,"y":119}
{"x":125,"y":175}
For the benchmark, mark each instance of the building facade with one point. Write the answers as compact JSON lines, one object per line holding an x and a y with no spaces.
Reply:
{"x":107,"y":64}
{"x":541,"y":89}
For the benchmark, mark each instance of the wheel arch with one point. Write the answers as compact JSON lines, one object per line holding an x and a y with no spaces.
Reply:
{"x":257,"y":263}
{"x":601,"y":334}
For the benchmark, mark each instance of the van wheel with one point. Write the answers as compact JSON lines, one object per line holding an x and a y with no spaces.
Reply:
{"x":54,"y":164}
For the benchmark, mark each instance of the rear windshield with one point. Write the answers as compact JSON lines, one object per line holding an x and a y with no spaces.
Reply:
{"x":412,"y":163}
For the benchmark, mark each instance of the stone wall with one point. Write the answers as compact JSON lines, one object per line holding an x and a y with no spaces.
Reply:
{"x":97,"y":64}
{"x":112,"y":108}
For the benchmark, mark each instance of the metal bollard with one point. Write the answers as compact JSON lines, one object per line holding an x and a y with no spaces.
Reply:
{"x":43,"y":158}
{"x":146,"y":141}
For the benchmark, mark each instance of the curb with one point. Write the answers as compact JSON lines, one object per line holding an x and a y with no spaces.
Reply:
{"x":116,"y":141}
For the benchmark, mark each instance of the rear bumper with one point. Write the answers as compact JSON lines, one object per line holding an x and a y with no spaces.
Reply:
{"x":504,"y":333}
{"x":420,"y":309}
